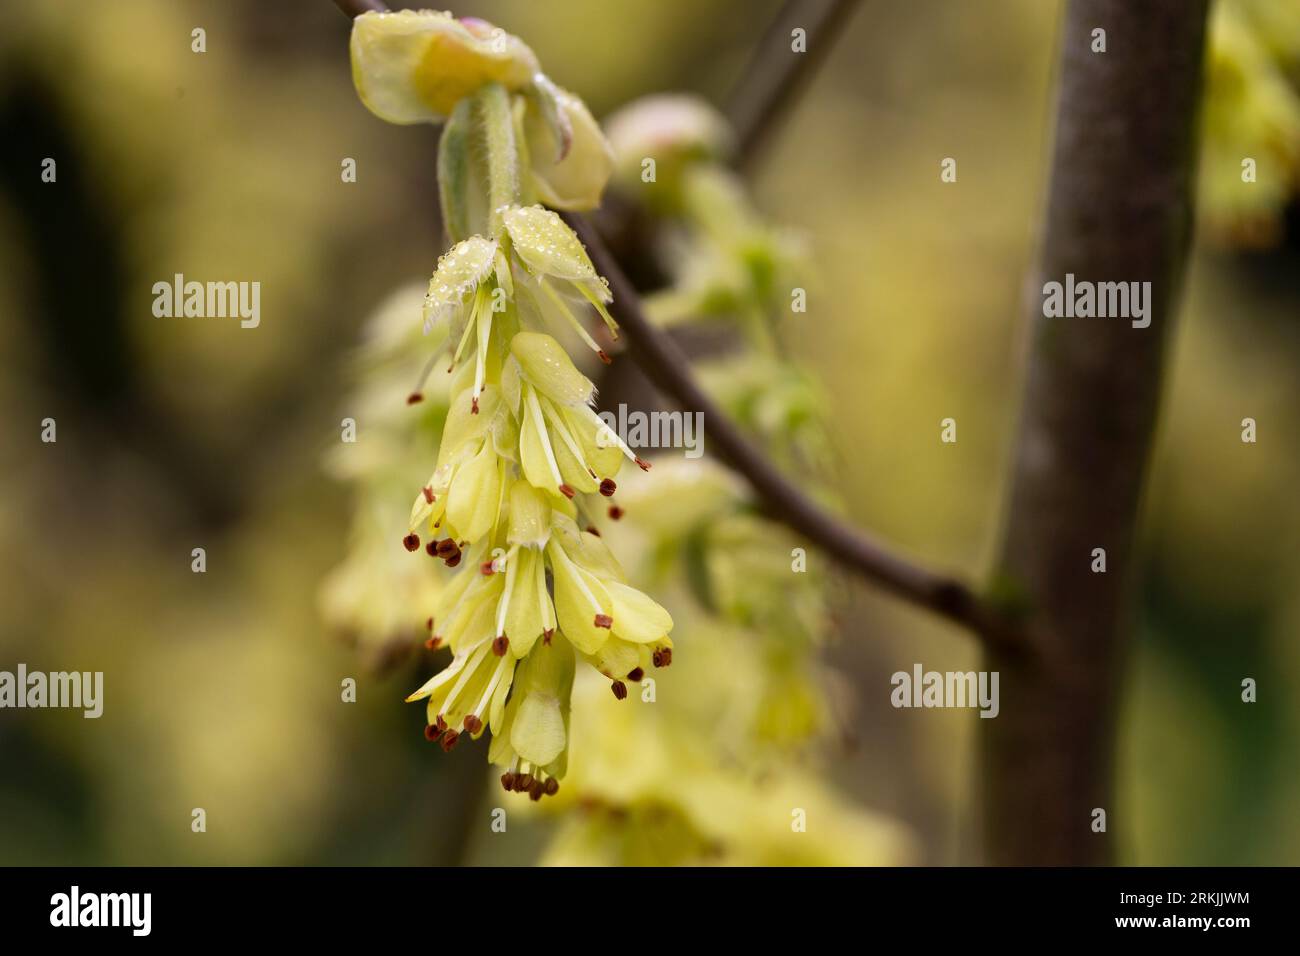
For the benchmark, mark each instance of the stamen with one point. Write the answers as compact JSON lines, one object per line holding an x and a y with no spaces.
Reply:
{"x":464,"y":336}
{"x":428,"y":493}
{"x":497,"y":674}
{"x":600,"y":307}
{"x":503,"y":605}
{"x":486,"y":569}
{"x":607,"y":487}
{"x":411,"y":541}
{"x":484,"y":337}
{"x":473,"y":724}
{"x":635,"y":675}
{"x":619,"y":689}
{"x":602,"y":426}
{"x":432,"y":733}
{"x":662,"y":657}
{"x":508,"y":781}
{"x":552,"y":786}
{"x":573,"y":320}
{"x":536,"y":409}
{"x":470,"y":667}
{"x":567,"y":490}
{"x":500,"y":645}
{"x":582,"y":585}
{"x":432,"y":547}
{"x":449,"y":740}
{"x":558,"y":424}
{"x":417,"y":393}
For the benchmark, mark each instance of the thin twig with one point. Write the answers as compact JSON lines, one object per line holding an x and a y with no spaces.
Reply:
{"x":354,"y":8}
{"x":668,"y":368}
{"x":776,"y":74}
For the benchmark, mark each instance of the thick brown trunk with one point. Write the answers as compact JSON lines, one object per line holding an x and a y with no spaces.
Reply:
{"x":1119,"y":210}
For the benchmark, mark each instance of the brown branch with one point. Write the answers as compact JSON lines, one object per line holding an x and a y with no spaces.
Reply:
{"x":1120,"y":210}
{"x":354,"y":8}
{"x":776,"y":75}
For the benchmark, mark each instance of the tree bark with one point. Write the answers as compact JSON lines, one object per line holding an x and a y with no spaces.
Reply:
{"x":1120,"y":210}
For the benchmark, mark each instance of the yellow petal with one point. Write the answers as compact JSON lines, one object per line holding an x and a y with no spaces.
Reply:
{"x":547,"y":246}
{"x":475,"y":495}
{"x":547,"y":366}
{"x":636,"y":617}
{"x":524,"y":624}
{"x":530,"y":515}
{"x":414,"y":66}
{"x":579,"y":600}
{"x":576,"y":181}
{"x":460,"y":271}
{"x":538,"y":733}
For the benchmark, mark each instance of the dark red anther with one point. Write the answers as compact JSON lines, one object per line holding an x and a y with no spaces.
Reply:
{"x":604,"y":356}
{"x":486,"y":569}
{"x":473,"y":724}
{"x":663,"y":657}
{"x":604,"y":620}
{"x":619,"y":689}
{"x":642,"y":464}
{"x":415,"y":398}
{"x":567,"y":491}
{"x":508,"y":781}
{"x":432,"y":733}
{"x":449,"y":740}
{"x":635,"y":675}
{"x":428,"y":494}
{"x":411,"y":542}
{"x":552,"y":786}
{"x":607,"y":487}
{"x":615,"y":512}
{"x":500,"y":645}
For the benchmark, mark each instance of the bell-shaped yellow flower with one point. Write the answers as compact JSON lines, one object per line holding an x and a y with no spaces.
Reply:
{"x":618,"y":628}
{"x":463,"y":495}
{"x":533,"y":737}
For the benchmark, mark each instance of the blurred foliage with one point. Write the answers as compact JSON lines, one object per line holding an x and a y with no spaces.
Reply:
{"x":222,"y":690}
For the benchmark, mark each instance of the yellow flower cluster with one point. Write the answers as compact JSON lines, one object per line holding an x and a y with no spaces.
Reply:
{"x":522,"y":449}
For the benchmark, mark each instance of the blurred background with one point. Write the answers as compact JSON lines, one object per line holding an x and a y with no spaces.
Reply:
{"x":222,"y":688}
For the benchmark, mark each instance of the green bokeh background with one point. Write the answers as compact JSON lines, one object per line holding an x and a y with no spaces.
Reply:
{"x":222,"y":689}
